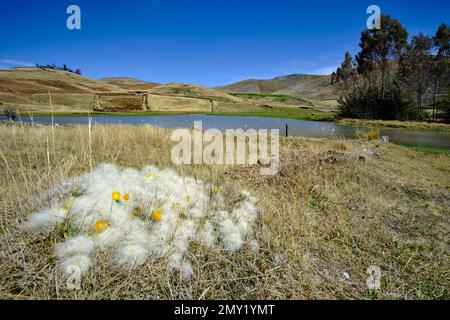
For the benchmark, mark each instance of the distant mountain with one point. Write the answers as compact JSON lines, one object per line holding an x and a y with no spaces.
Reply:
{"x":298,"y":85}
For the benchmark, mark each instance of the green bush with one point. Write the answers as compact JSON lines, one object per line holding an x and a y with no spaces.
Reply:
{"x":371,"y":104}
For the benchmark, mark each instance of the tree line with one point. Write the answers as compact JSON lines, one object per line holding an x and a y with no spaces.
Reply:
{"x":53,"y":66}
{"x":394,"y":78}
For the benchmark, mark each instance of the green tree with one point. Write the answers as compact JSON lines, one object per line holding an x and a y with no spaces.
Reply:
{"x":440,"y":76}
{"x":378,"y":48}
{"x":345,"y":74}
{"x":444,"y":105}
{"x":416,"y":69}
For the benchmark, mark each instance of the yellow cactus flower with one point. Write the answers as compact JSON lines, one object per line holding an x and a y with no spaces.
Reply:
{"x":126,"y":196}
{"x":100,"y":225}
{"x":148,"y":175}
{"x":156,"y":215}
{"x":116,"y":196}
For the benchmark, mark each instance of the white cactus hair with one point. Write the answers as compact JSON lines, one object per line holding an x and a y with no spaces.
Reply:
{"x":190,"y":212}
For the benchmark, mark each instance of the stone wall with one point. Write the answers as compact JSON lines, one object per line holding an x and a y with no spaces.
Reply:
{"x":178,"y":104}
{"x":150,"y":102}
{"x":120,"y":101}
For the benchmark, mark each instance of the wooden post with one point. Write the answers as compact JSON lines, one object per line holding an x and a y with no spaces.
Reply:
{"x":287,"y":131}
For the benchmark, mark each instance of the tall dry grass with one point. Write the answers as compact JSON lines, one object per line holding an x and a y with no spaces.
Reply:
{"x":332,"y":208}
{"x":373,"y":134}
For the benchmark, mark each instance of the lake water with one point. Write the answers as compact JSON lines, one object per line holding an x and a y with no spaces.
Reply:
{"x":312,"y":129}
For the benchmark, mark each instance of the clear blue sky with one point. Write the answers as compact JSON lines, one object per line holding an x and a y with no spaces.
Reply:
{"x":209,"y":42}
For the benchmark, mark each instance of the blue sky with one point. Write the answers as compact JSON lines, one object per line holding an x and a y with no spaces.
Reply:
{"x":208,"y":42}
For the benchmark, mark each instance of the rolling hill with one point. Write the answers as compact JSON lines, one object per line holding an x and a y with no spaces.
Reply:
{"x":26,"y":89}
{"x":130,"y":83}
{"x":195,"y":91}
{"x":315,"y":87}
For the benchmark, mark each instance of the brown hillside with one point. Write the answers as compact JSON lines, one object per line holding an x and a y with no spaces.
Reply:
{"x":298,"y":85}
{"x":130,"y":83}
{"x":195,"y":91}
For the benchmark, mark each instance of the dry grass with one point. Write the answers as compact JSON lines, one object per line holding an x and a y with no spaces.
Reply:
{"x":332,"y":208}
{"x":368,"y":134}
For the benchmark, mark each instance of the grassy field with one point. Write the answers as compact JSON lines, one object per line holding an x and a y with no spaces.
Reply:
{"x":430,"y":149}
{"x":333,"y":209}
{"x":283,"y":98}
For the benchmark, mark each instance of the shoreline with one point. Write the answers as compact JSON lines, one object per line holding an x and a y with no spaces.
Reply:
{"x":312,"y":117}
{"x":326,"y":117}
{"x":395,"y":124}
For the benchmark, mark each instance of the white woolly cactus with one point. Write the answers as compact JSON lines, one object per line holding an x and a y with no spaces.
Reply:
{"x":136,"y":215}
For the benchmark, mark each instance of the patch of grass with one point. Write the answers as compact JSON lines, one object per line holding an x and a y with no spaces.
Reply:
{"x":431,"y":149}
{"x":277,"y":97}
{"x":368,"y":134}
{"x":273,"y":113}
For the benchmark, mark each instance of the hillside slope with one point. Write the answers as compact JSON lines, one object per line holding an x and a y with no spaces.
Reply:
{"x":129,"y":83}
{"x":195,"y":91}
{"x":37,"y":80}
{"x":298,"y":85}
{"x":27,"y":89}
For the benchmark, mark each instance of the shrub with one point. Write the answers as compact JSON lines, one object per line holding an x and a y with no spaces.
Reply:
{"x":11,"y":114}
{"x":368,"y":134}
{"x":371,"y":104}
